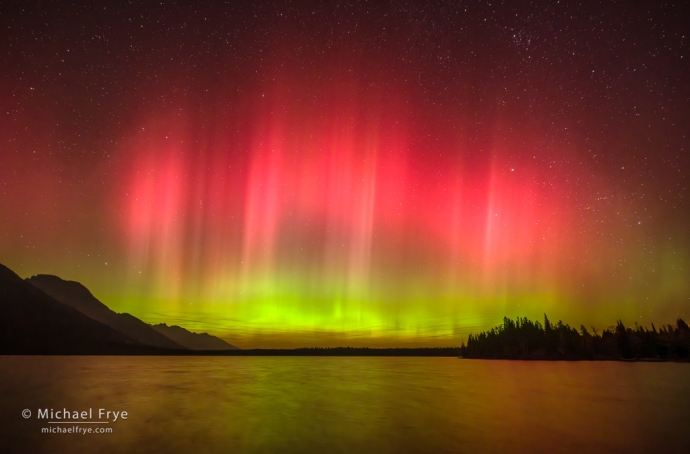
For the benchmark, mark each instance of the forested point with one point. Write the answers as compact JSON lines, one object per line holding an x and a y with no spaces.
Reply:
{"x":525,"y":339}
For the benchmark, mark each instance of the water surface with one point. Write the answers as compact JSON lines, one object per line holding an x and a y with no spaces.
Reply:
{"x":348,"y":404}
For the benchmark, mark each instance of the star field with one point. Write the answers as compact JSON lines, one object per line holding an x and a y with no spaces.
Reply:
{"x":301,"y":174}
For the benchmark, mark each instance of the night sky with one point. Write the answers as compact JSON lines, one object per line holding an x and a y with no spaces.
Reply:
{"x":307,"y":174}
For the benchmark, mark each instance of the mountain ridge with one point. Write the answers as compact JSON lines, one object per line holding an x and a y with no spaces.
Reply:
{"x":32,"y":322}
{"x":76,"y":295}
{"x":79,"y":297}
{"x":45,"y":314}
{"x":192,"y":340}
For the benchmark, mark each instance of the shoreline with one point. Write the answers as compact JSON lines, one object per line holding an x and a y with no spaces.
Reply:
{"x":623,"y":360}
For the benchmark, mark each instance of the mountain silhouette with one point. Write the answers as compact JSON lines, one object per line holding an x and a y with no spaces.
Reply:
{"x":32,"y":322}
{"x":80,"y":298}
{"x":47,"y":315}
{"x":193,"y":341}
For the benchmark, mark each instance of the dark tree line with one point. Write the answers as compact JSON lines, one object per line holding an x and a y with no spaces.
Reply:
{"x":525,"y":339}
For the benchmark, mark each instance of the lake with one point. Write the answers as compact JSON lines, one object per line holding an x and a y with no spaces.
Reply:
{"x":344,"y":405}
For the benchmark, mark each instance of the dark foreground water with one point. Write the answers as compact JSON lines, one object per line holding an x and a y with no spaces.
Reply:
{"x":346,"y":404}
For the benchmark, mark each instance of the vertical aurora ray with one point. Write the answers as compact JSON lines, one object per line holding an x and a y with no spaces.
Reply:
{"x":360,"y":174}
{"x":331,"y":222}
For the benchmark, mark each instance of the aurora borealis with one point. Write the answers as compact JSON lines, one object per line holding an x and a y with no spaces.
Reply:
{"x":296,"y":174}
